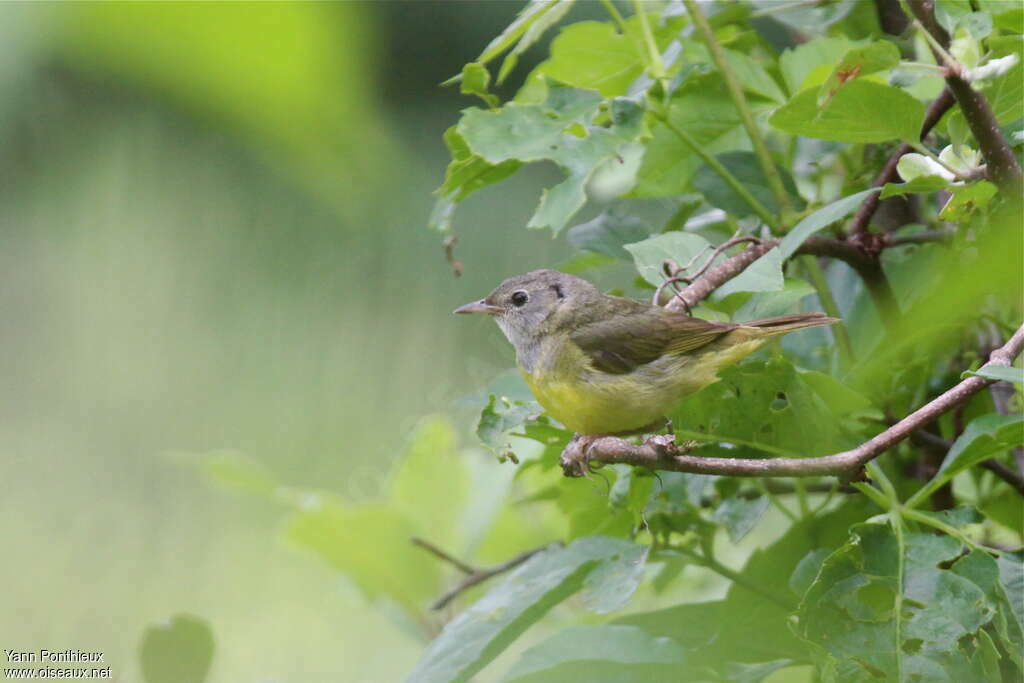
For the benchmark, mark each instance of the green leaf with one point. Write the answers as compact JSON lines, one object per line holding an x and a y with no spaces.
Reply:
{"x":858,"y":62}
{"x":965,"y":200}
{"x":608,"y":233}
{"x":816,"y":56}
{"x":475,"y":81}
{"x":584,"y":262}
{"x":441,"y":216}
{"x":769,"y":304}
{"x":650,"y":255}
{"x":177,"y":651}
{"x":528,"y":16}
{"x":552,"y":131}
{"x":739,"y":515}
{"x":763,"y":275}
{"x":920,"y":185}
{"x":537,"y":27}
{"x":862,"y":111}
{"x":822,"y":218}
{"x":430,"y":482}
{"x":983,"y":438}
{"x":501,"y":416}
{"x":236,"y":471}
{"x":600,"y":644}
{"x":999,"y":373}
{"x":746,"y":169}
{"x":484,"y":630}
{"x":467,"y":173}
{"x":369,"y":543}
{"x":753,"y":76}
{"x":934,"y":633}
{"x":701,"y":107}
{"x":596,"y":56}
{"x":610,"y":586}
{"x":764,"y":405}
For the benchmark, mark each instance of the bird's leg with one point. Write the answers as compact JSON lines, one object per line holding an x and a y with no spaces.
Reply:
{"x":575,"y":458}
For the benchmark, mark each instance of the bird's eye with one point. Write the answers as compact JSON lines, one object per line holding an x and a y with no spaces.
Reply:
{"x":520,"y":298}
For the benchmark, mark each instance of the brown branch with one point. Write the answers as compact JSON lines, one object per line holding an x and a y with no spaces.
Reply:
{"x":848,"y":464}
{"x":1001,"y":165}
{"x":473,"y":576}
{"x":859,"y":225}
{"x":855,"y":255}
{"x":890,"y":17}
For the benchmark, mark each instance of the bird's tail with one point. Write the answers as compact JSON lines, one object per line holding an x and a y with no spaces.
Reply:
{"x":787,"y":323}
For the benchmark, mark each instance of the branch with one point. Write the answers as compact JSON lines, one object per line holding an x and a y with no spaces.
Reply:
{"x":859,"y":224}
{"x":473,"y":576}
{"x":848,"y":464}
{"x":1001,"y":164}
{"x":855,"y":255}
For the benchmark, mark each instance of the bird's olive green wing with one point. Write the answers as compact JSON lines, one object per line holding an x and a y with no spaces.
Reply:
{"x":621,"y":343}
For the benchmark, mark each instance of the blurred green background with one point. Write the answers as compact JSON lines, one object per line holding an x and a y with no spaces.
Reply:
{"x":213,"y":237}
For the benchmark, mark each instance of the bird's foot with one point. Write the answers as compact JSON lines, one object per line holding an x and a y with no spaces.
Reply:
{"x":575,"y":458}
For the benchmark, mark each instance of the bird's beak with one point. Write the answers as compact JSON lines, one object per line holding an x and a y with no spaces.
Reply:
{"x":479,"y":307}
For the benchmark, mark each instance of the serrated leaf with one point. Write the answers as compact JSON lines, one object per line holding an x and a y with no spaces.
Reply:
{"x":533,"y":11}
{"x":552,"y":131}
{"x":177,"y":651}
{"x":485,"y":629}
{"x":862,"y":111}
{"x":602,"y":644}
{"x":999,"y":373}
{"x":650,"y":254}
{"x":851,"y":611}
{"x":983,"y":438}
{"x":822,"y":218}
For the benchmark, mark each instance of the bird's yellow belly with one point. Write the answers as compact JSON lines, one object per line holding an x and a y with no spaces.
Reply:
{"x":589,"y":401}
{"x":587,"y":408}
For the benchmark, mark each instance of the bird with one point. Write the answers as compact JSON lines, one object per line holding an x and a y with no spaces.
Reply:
{"x":609,"y":365}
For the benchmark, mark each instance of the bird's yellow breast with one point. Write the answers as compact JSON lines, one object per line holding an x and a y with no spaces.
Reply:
{"x":590,"y":401}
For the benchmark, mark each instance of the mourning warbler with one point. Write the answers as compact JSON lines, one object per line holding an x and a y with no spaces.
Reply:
{"x":604,"y":364}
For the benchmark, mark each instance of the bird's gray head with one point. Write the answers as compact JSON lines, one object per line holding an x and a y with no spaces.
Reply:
{"x":529,"y":305}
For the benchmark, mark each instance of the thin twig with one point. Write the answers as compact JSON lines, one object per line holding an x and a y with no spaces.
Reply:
{"x":861,"y":219}
{"x":473,"y":576}
{"x":848,"y":464}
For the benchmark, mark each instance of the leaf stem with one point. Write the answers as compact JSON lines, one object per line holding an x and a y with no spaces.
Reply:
{"x":653,"y":55}
{"x":828,"y":302}
{"x":724,"y":173}
{"x":947,"y":529}
{"x":732,"y":83}
{"x":774,"y":500}
{"x":616,"y":16}
{"x":720,"y":569}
